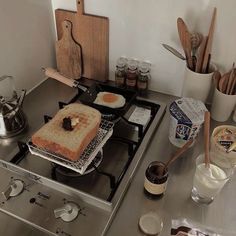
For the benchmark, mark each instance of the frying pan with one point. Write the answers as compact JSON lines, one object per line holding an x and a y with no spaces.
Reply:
{"x":89,"y":94}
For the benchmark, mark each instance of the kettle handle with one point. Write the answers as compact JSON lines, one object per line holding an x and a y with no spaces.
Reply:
{"x":12,"y":83}
{"x":21,"y":98}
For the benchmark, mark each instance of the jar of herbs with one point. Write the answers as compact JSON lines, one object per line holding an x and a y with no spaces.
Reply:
{"x":132,"y":74}
{"x":143,"y":77}
{"x":120,"y":73}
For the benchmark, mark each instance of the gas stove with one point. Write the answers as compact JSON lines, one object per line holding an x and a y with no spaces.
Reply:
{"x":60,"y":201}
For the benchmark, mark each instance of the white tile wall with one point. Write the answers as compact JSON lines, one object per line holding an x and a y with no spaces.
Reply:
{"x":137,"y":29}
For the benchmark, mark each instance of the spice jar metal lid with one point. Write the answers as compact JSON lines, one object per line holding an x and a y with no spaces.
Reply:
{"x":121,"y":62}
{"x":144,"y":67}
{"x":132,"y":64}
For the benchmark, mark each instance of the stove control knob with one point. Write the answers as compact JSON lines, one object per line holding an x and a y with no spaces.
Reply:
{"x":14,"y":189}
{"x":68,"y":212}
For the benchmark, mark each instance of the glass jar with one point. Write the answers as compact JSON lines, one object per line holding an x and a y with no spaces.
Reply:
{"x":143,"y":77}
{"x":155,"y":181}
{"x":132,"y":74}
{"x":120,"y":73}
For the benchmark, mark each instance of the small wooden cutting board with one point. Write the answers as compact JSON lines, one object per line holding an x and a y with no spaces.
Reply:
{"x":92,"y":33}
{"x":68,"y":53}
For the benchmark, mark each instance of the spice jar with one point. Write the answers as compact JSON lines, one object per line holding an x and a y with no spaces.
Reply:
{"x":120,"y":73}
{"x":143,"y":77}
{"x":132,"y":74}
{"x":155,"y":181}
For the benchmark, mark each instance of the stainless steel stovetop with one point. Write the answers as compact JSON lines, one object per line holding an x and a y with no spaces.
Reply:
{"x":64,"y":203}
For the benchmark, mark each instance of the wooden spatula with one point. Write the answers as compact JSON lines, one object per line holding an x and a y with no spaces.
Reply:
{"x":68,"y":53}
{"x":185,"y":39}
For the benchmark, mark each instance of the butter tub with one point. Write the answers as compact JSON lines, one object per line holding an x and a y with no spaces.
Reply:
{"x":221,"y":140}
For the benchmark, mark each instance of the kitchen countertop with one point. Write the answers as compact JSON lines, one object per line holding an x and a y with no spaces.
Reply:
{"x":176,"y":202}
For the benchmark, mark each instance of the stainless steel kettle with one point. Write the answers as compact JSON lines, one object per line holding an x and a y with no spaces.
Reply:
{"x":12,"y":117}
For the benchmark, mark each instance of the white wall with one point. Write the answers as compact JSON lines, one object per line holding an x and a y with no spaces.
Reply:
{"x":26,"y":40}
{"x":138,"y":27}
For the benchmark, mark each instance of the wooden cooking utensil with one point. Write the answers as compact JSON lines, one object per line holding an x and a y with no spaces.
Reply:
{"x":174,"y":51}
{"x":209,"y":42}
{"x":92,"y":33}
{"x":196,"y":39}
{"x":68,"y":53}
{"x":176,"y":155}
{"x":216,"y":78}
{"x":200,"y":55}
{"x":223,"y":82}
{"x":207,"y":138}
{"x":232,"y":90}
{"x":231,"y":77}
{"x":185,"y":40}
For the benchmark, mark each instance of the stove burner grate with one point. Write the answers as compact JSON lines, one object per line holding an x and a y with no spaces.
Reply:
{"x":111,"y":117}
{"x":61,"y":170}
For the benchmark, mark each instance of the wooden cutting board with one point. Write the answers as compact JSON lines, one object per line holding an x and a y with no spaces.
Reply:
{"x":92,"y":33}
{"x":68,"y":54}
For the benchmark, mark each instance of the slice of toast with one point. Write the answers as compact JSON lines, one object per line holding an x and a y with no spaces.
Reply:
{"x":70,"y":143}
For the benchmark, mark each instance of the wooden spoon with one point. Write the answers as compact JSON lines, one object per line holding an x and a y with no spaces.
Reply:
{"x":185,"y":40}
{"x":223,"y":82}
{"x":177,"y":155}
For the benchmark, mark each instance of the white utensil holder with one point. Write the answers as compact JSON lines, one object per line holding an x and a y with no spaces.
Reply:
{"x":222,"y":106}
{"x":197,"y":85}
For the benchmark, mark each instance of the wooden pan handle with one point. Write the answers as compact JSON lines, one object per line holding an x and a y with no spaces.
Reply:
{"x":54,"y":74}
{"x":80,"y":7}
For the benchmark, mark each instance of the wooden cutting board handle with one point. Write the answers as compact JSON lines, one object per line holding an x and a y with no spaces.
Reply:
{"x":68,"y":53}
{"x":80,"y":7}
